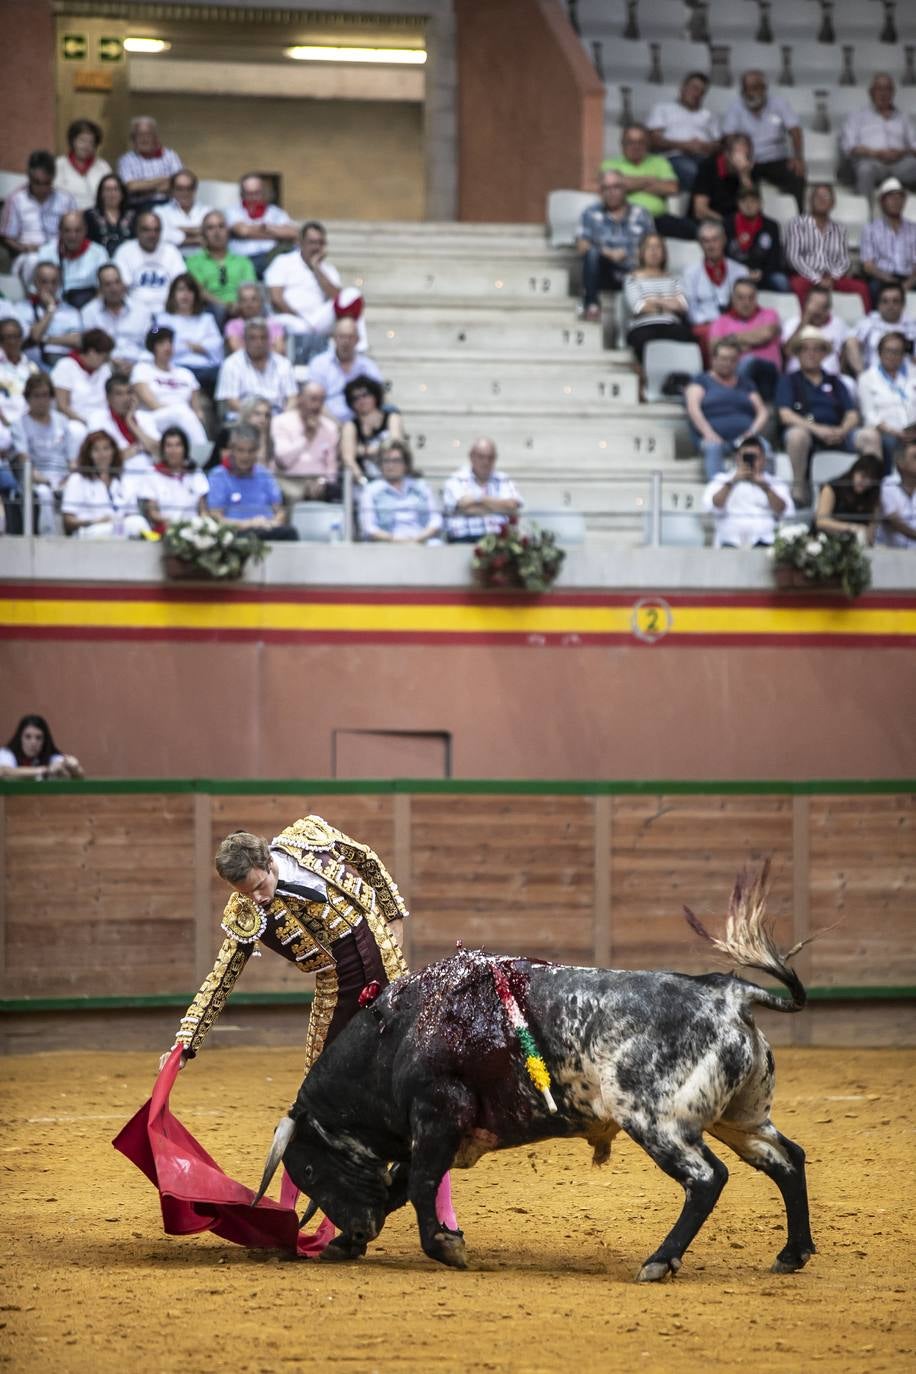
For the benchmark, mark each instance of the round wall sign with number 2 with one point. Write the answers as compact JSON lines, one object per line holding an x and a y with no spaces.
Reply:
{"x":651,"y":619}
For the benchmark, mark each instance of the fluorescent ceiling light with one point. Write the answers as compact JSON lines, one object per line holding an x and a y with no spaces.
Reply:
{"x":401,"y":56}
{"x":147,"y":45}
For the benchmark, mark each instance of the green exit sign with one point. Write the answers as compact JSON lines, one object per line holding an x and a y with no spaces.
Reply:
{"x":110,"y":49}
{"x":74,"y":47}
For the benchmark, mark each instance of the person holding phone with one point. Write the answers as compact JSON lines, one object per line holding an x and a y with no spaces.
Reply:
{"x":747,"y":502}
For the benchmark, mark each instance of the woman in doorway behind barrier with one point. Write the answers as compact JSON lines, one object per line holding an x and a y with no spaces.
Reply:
{"x":32,"y":755}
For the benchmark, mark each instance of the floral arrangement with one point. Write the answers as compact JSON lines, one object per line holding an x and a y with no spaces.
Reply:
{"x":534,"y":1060}
{"x":209,"y":548}
{"x":518,"y":556}
{"x":823,"y":558}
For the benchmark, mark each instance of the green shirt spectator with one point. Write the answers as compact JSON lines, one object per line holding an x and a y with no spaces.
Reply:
{"x":218,"y":273}
{"x":649,"y":177}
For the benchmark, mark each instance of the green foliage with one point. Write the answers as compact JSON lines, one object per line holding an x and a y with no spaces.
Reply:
{"x":518,"y":556}
{"x":823,"y":557}
{"x":214,"y":549}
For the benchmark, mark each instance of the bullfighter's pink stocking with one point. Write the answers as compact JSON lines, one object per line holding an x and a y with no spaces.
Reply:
{"x":445,"y":1212}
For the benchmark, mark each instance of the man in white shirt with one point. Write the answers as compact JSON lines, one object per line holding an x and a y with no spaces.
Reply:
{"x":147,"y":265}
{"x":683,"y":130}
{"x":15,"y":371}
{"x":303,"y":286}
{"x":898,"y":502}
{"x":256,"y":370}
{"x":126,"y":320}
{"x":118,"y":418}
{"x":182,"y":217}
{"x":257,"y":226}
{"x":887,"y":395}
{"x":478,"y":499}
{"x":880,"y":142}
{"x":77,"y":257}
{"x":52,"y":327}
{"x":32,"y":213}
{"x":817,"y":313}
{"x":338,"y":365}
{"x":79,"y":383}
{"x":747,"y":503}
{"x":773,"y":128}
{"x":862,"y":349}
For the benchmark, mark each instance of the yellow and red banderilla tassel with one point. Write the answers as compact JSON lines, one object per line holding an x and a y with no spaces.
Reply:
{"x":534,"y":1060}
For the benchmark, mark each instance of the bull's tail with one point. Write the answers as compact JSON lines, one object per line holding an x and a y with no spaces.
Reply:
{"x":750,"y":943}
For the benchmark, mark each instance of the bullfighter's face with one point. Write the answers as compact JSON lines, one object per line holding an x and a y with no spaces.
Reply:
{"x":259,"y":884}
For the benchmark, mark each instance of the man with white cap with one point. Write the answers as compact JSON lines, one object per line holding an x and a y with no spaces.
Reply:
{"x":880,"y":142}
{"x":817,"y":412}
{"x":888,"y":246}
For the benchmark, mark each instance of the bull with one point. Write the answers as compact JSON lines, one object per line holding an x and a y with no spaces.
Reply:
{"x":429,"y":1077}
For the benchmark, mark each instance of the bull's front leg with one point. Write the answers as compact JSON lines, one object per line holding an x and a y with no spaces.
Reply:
{"x":439,"y":1122}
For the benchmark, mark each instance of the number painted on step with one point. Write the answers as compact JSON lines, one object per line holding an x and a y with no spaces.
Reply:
{"x":540,"y":284}
{"x":609,"y":390}
{"x":644,"y":444}
{"x":682,"y":500}
{"x":576,"y":337}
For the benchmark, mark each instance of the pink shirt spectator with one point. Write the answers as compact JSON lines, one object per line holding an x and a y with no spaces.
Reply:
{"x":295,"y":455}
{"x":235,"y":329}
{"x":732,"y":324}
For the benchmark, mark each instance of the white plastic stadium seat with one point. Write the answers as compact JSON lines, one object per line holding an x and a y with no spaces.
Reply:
{"x":826,"y":465}
{"x":200,"y":453}
{"x":777,"y":204}
{"x":664,"y":356}
{"x":564,"y":209}
{"x":11,"y":287}
{"x":682,"y":528}
{"x":567,"y":525}
{"x":218,"y":195}
{"x":682,"y":253}
{"x":848,"y":306}
{"x":785,"y":303}
{"x":317,"y":522}
{"x":782,"y":468}
{"x":9,"y":181}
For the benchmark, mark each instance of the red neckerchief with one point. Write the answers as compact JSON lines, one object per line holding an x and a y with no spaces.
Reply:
{"x":153,"y":153}
{"x":78,"y":253}
{"x":170,"y":472}
{"x":122,"y":426}
{"x":224,"y":462}
{"x":255,"y":209}
{"x":721,"y":166}
{"x":78,"y":360}
{"x":716,"y":271}
{"x":80,"y":166}
{"x":747,"y":230}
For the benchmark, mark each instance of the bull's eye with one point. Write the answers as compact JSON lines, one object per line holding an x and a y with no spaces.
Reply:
{"x":308,"y":1171}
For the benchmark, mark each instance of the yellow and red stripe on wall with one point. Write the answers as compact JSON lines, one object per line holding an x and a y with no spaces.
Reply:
{"x":326,"y":616}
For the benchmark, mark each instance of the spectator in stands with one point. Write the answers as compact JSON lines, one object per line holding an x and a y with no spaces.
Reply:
{"x":817,"y":250}
{"x":250,"y":305}
{"x":41,"y":435}
{"x":182,"y":216}
{"x":852,"y":500}
{"x":610,"y":232}
{"x":374,"y":424}
{"x":655,"y":299}
{"x":816,"y":411}
{"x":753,"y":240}
{"x":111,"y":221}
{"x":888,"y":246}
{"x":723,"y":408}
{"x":244,"y":494}
{"x":257,"y":412}
{"x":398,"y":507}
{"x":746,"y":502}
{"x":649,"y":180}
{"x":305,"y":443}
{"x":79,"y":381}
{"x":148,"y":265}
{"x":478,"y":499}
{"x":862,"y":348}
{"x":303,"y":287}
{"x":880,"y":142}
{"x":147,"y":170}
{"x":339,"y":365}
{"x":31,"y":755}
{"x":887,"y":396}
{"x":126,"y":320}
{"x":15,"y":371}
{"x":775,"y":133}
{"x":708,"y":284}
{"x":78,"y":172}
{"x":32,"y":213}
{"x":219,"y":273}
{"x":755,"y":332}
{"x":256,"y":370}
{"x":684,"y":131}
{"x":174,"y":489}
{"x":258,"y":228}
{"x":78,"y":258}
{"x":721,"y":177}
{"x":198,"y":342}
{"x":118,"y":419}
{"x":817,"y":314}
{"x":96,"y":503}
{"x":52,"y":327}
{"x":898,"y":502}
{"x":166,"y":394}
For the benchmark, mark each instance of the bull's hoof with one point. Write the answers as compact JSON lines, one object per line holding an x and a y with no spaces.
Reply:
{"x":790,"y":1261}
{"x":448,"y":1248}
{"x":654,"y":1270}
{"x":342,"y":1249}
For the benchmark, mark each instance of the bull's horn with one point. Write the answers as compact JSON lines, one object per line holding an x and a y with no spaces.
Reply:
{"x":307,"y":1215}
{"x":282,"y":1136}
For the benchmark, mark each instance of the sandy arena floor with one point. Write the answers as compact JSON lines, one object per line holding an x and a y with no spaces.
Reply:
{"x":90,"y":1283}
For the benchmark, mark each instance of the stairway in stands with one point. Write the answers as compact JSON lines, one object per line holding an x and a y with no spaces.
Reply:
{"x":475,"y":327}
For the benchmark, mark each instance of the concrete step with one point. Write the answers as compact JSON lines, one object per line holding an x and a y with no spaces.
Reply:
{"x":588,"y":446}
{"x":472,"y":329}
{"x":392,"y":281}
{"x":547,"y":384}
{"x":610,"y":498}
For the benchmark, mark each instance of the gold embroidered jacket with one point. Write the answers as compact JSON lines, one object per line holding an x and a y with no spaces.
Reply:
{"x":304,"y":918}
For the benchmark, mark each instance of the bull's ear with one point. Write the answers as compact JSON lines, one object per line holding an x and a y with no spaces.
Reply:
{"x":330,"y":1140}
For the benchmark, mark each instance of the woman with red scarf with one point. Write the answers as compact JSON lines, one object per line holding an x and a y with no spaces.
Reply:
{"x":80,"y":169}
{"x":175,"y":489}
{"x":753,"y":241}
{"x":79,"y":382}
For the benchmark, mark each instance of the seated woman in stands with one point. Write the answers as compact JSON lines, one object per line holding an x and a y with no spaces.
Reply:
{"x":723,"y":408}
{"x":167,"y":394}
{"x":79,"y":171}
{"x":96,"y":502}
{"x":250,"y":304}
{"x":110,"y":221}
{"x":363,"y":438}
{"x":852,"y":501}
{"x":398,"y":508}
{"x":32,"y":755}
{"x":175,"y":489}
{"x":198,"y":342}
{"x":42,"y":435}
{"x":655,"y":299}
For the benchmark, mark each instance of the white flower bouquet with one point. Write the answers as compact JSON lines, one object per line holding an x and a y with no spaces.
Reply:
{"x":201,"y":546}
{"x":819,"y":558}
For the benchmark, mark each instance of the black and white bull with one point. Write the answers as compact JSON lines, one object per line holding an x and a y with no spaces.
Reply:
{"x":430,"y":1077}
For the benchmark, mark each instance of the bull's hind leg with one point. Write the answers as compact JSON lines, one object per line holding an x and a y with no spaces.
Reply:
{"x":702,"y":1177}
{"x":783,"y":1161}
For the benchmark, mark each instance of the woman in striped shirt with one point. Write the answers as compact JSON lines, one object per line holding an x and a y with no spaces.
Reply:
{"x":655,"y":299}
